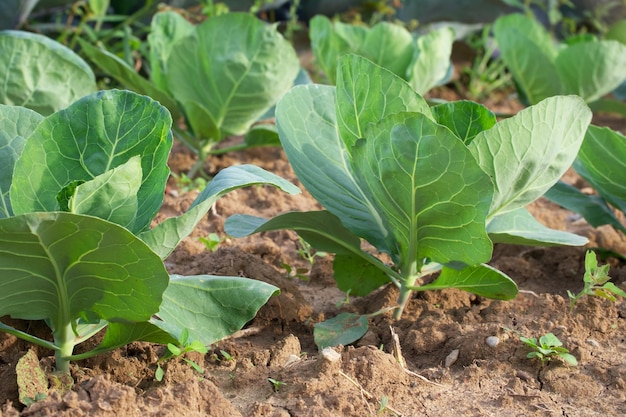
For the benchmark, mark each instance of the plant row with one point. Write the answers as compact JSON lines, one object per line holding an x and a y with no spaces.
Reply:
{"x":433,"y":187}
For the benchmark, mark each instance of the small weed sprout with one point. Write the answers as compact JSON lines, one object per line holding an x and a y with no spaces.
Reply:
{"x":596,"y":281}
{"x":488,"y":72}
{"x":224,"y":358}
{"x":307,"y":252}
{"x":346,"y":300}
{"x":186,"y":183}
{"x":547,"y":348}
{"x":174,"y":351}
{"x":384,"y":408}
{"x":294,"y":272}
{"x":211,"y":8}
{"x":383,"y":404}
{"x":276,"y":384}
{"x":227,"y":356}
{"x":212,"y":241}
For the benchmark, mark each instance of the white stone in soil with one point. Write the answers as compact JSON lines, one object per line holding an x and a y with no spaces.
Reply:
{"x":451,"y":358}
{"x":492,"y":341}
{"x":330,"y":354}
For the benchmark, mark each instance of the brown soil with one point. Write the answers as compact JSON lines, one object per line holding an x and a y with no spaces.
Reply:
{"x":278,"y":344}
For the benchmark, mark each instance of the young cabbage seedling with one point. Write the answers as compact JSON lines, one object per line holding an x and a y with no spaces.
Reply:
{"x":596,"y":282}
{"x":431,"y":188}
{"x":547,"y":348}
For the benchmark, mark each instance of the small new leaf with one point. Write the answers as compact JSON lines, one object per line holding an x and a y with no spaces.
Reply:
{"x":276,"y":384}
{"x":175,"y":350}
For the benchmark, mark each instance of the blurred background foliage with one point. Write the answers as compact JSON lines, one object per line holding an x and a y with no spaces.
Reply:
{"x":16,"y":13}
{"x":122,"y":26}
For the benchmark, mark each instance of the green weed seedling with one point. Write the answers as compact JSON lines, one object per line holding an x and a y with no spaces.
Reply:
{"x":186,"y":184}
{"x":596,"y":281}
{"x":276,"y":384}
{"x":212,"y":241}
{"x":547,"y":348}
{"x":346,"y":299}
{"x":294,"y":272}
{"x":227,"y":357}
{"x":385,"y":409}
{"x":174,"y":351}
{"x":307,"y":252}
{"x":487,"y":73}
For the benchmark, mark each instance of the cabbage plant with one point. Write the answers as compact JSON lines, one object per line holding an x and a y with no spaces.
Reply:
{"x":424,"y":61}
{"x":433,"y":188}
{"x":78,"y":248}
{"x":41,"y":74}
{"x":601,"y":162}
{"x":221,"y":76}
{"x":542,"y":67}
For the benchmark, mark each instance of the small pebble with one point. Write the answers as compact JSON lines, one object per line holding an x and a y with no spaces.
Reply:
{"x":492,"y":341}
{"x":451,"y":358}
{"x":330,"y":354}
{"x":524,"y":376}
{"x":593,"y":342}
{"x":291,"y":360}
